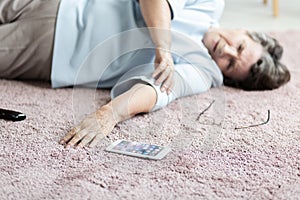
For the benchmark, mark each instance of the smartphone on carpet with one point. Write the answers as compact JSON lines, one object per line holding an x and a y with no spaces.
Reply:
{"x":142,"y":150}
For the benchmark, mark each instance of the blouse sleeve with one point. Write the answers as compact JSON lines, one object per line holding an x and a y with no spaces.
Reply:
{"x":192,"y":11}
{"x":189,"y":80}
{"x":176,"y":6}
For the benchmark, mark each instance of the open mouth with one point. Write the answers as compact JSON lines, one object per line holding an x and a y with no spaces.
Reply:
{"x":216,"y":45}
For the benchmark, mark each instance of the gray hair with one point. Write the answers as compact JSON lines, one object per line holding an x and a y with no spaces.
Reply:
{"x":268,"y":72}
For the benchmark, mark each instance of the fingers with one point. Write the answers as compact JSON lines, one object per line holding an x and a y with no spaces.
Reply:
{"x":168,"y":84}
{"x":164,"y":70}
{"x":81,"y":138}
{"x":165,"y":77}
{"x":76,"y":138}
{"x":96,"y":140}
{"x":86,"y":140}
{"x":159,"y":68}
{"x":69,"y":136}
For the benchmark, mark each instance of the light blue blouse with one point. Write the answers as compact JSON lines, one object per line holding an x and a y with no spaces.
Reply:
{"x":106,"y":44}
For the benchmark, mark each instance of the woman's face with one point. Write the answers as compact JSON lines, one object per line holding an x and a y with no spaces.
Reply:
{"x":233,"y":51}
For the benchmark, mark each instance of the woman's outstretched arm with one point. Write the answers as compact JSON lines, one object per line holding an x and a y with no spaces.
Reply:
{"x":139,"y":99}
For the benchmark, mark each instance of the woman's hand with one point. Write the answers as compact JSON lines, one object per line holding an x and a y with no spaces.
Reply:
{"x":91,"y":130}
{"x":157,"y":15}
{"x":164,"y":70}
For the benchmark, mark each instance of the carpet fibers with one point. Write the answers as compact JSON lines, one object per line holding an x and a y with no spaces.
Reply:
{"x":210,"y":159}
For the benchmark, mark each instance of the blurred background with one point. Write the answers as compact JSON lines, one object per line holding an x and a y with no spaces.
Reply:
{"x":255,"y":15}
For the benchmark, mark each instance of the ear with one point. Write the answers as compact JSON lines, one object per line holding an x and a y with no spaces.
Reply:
{"x":276,"y":52}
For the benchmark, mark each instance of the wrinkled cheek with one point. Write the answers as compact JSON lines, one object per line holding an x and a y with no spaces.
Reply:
{"x":220,"y":64}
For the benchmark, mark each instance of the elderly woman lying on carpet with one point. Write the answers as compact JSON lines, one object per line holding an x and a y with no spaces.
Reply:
{"x":59,"y":41}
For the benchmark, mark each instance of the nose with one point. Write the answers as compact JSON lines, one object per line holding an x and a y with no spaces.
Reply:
{"x":228,"y":50}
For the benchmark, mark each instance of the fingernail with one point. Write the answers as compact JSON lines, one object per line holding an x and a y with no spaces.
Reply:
{"x":61,"y":142}
{"x":67,"y":146}
{"x":163,"y":89}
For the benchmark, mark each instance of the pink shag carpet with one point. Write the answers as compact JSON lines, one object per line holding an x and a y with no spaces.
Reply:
{"x":208,"y":161}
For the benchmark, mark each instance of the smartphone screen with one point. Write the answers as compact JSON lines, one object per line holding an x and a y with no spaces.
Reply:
{"x":139,"y":149}
{"x":134,"y":147}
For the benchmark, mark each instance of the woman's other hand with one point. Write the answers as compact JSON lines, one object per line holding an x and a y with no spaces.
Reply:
{"x":157,"y":15}
{"x":164,"y":70}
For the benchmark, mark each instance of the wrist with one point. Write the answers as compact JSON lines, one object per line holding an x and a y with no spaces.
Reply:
{"x":109,"y":112}
{"x":165,"y":46}
{"x":163,"y":54}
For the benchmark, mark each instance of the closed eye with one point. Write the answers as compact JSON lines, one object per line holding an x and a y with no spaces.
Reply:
{"x":231,"y":64}
{"x":241,"y":47}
